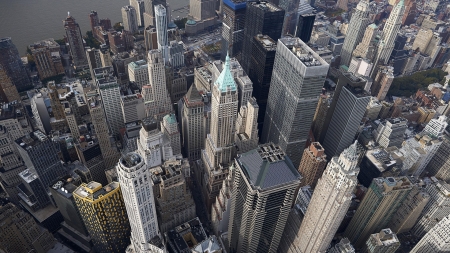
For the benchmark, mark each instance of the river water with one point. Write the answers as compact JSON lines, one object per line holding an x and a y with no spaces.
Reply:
{"x":27,"y":21}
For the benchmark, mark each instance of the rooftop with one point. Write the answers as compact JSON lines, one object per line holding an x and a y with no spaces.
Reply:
{"x":94,"y":191}
{"x":186,"y":236}
{"x":268,"y":43}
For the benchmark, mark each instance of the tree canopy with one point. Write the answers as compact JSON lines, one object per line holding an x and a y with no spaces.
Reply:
{"x":408,"y":85}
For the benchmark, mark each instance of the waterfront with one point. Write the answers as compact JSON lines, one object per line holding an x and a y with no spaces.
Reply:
{"x":27,"y":21}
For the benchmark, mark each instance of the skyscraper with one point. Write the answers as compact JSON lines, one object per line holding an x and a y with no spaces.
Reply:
{"x":355,"y":31}
{"x":135,"y":179}
{"x":219,"y":148}
{"x":158,"y":102}
{"x":246,"y":135}
{"x":11,"y":65}
{"x":233,"y":12}
{"x":345,"y":114}
{"x":130,"y":18}
{"x":382,"y":82}
{"x":161,"y":31}
{"x":104,"y":214}
{"x":297,"y":80}
{"x":260,"y":204}
{"x":139,"y":6}
{"x":385,"y":241}
{"x":330,"y":202}
{"x":138,"y":73}
{"x":344,"y":246}
{"x":381,"y":202}
{"x":390,"y":132}
{"x":436,"y":240}
{"x":149,"y":14}
{"x":169,"y":127}
{"x":365,"y":49}
{"x":261,"y":18}
{"x":47,"y":56}
{"x":75,"y":39}
{"x":305,"y":25}
{"x":313,"y":164}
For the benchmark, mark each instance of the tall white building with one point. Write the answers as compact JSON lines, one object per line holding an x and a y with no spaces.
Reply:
{"x":136,"y":183}
{"x":330,"y":202}
{"x":436,"y":127}
{"x":246,"y":136}
{"x":390,"y":132}
{"x":161,"y":31}
{"x":132,"y":108}
{"x":129,"y":19}
{"x":436,"y":240}
{"x":138,"y":73}
{"x":169,"y":127}
{"x":158,"y":102}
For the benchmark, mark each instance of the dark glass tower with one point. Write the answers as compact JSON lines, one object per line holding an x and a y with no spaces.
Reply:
{"x":12,"y":65}
{"x":233,"y":27}
{"x":305,"y":26}
{"x":261,"y":18}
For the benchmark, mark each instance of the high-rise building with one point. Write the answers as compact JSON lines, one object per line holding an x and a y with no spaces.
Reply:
{"x":174,"y":202}
{"x":47,"y":56}
{"x":176,"y":54}
{"x":390,"y":32}
{"x":161,"y":31}
{"x":385,"y":241}
{"x":246,"y":135}
{"x":76,"y":45}
{"x":135,"y":179}
{"x":410,"y":12}
{"x":133,"y":108}
{"x":366,"y":49}
{"x":104,"y":214}
{"x":343,"y":246}
{"x":12,"y":67}
{"x":260,"y":204}
{"x":94,"y":60}
{"x":158,"y":102}
{"x":355,"y":31}
{"x":149,"y":14}
{"x":346,"y":113}
{"x":90,"y":154}
{"x":436,"y":240}
{"x":20,"y":233}
{"x":40,"y":152}
{"x":305,"y":25}
{"x":94,"y":20}
{"x":329,"y":203}
{"x":410,"y":210}
{"x":297,"y":79}
{"x":439,"y":165}
{"x":129,"y":18}
{"x":110,"y":93}
{"x":382,"y":82}
{"x":260,"y":72}
{"x":381,"y":202}
{"x":8,"y":92}
{"x":219,"y":147}
{"x":138,"y":73}
{"x":261,"y":18}
{"x":192,"y":124}
{"x":390,"y":132}
{"x":139,"y":6}
{"x":436,"y":209}
{"x":233,"y":12}
{"x":169,"y":126}
{"x":313,"y":164}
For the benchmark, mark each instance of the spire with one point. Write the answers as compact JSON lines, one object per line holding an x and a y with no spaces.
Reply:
{"x":401,"y":3}
{"x":351,"y":153}
{"x":225,"y":80}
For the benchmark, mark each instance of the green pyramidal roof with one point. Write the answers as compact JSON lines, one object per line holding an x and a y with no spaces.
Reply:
{"x":225,"y":80}
{"x":170,"y":118}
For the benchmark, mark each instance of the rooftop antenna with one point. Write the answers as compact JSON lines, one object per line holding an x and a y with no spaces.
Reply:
{"x":68,"y":13}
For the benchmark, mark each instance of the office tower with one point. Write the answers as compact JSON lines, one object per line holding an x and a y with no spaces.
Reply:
{"x":73,"y":227}
{"x":90,"y":154}
{"x":410,"y":210}
{"x":75,"y":39}
{"x":105,"y":56}
{"x":31,"y":191}
{"x":439,"y":165}
{"x":149,"y":13}
{"x":360,"y":66}
{"x":174,"y":201}
{"x":202,"y":9}
{"x":104,"y":214}
{"x":138,"y":73}
{"x":329,"y":203}
{"x":219,"y":147}
{"x":346,"y":113}
{"x":94,"y":61}
{"x":320,"y":115}
{"x":260,"y":72}
{"x":138,"y":5}
{"x":151,"y":38}
{"x":13,"y":118}
{"x":41,"y":153}
{"x":343,"y":246}
{"x":382,"y":82}
{"x":176,"y":54}
{"x":169,"y":127}
{"x":373,"y":109}
{"x":355,"y":31}
{"x":381,"y":202}
{"x":192,"y":124}
{"x":246,"y":136}
{"x":93,"y":19}
{"x":135,"y":179}
{"x":378,"y":162}
{"x":436,"y":209}
{"x":297,"y":79}
{"x":109,"y":152}
{"x":410,"y":12}
{"x":47,"y":56}
{"x":133,"y":108}
{"x":366,"y":49}
{"x":233,"y":12}
{"x":305,"y":25}
{"x":220,"y":211}
{"x":11,"y":65}
{"x":436,"y":127}
{"x":385,"y":241}
{"x":261,"y":18}
{"x":153,"y":146}
{"x":176,"y":80}
{"x":58,"y":121}
{"x":129,"y":18}
{"x":8,"y":92}
{"x":260,"y":204}
{"x":422,"y":40}
{"x":20,"y":233}
{"x":161,"y":31}
{"x":390,"y":132}
{"x":159,"y":105}
{"x":436,"y":240}
{"x":390,"y":32}
{"x":313,"y":164}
